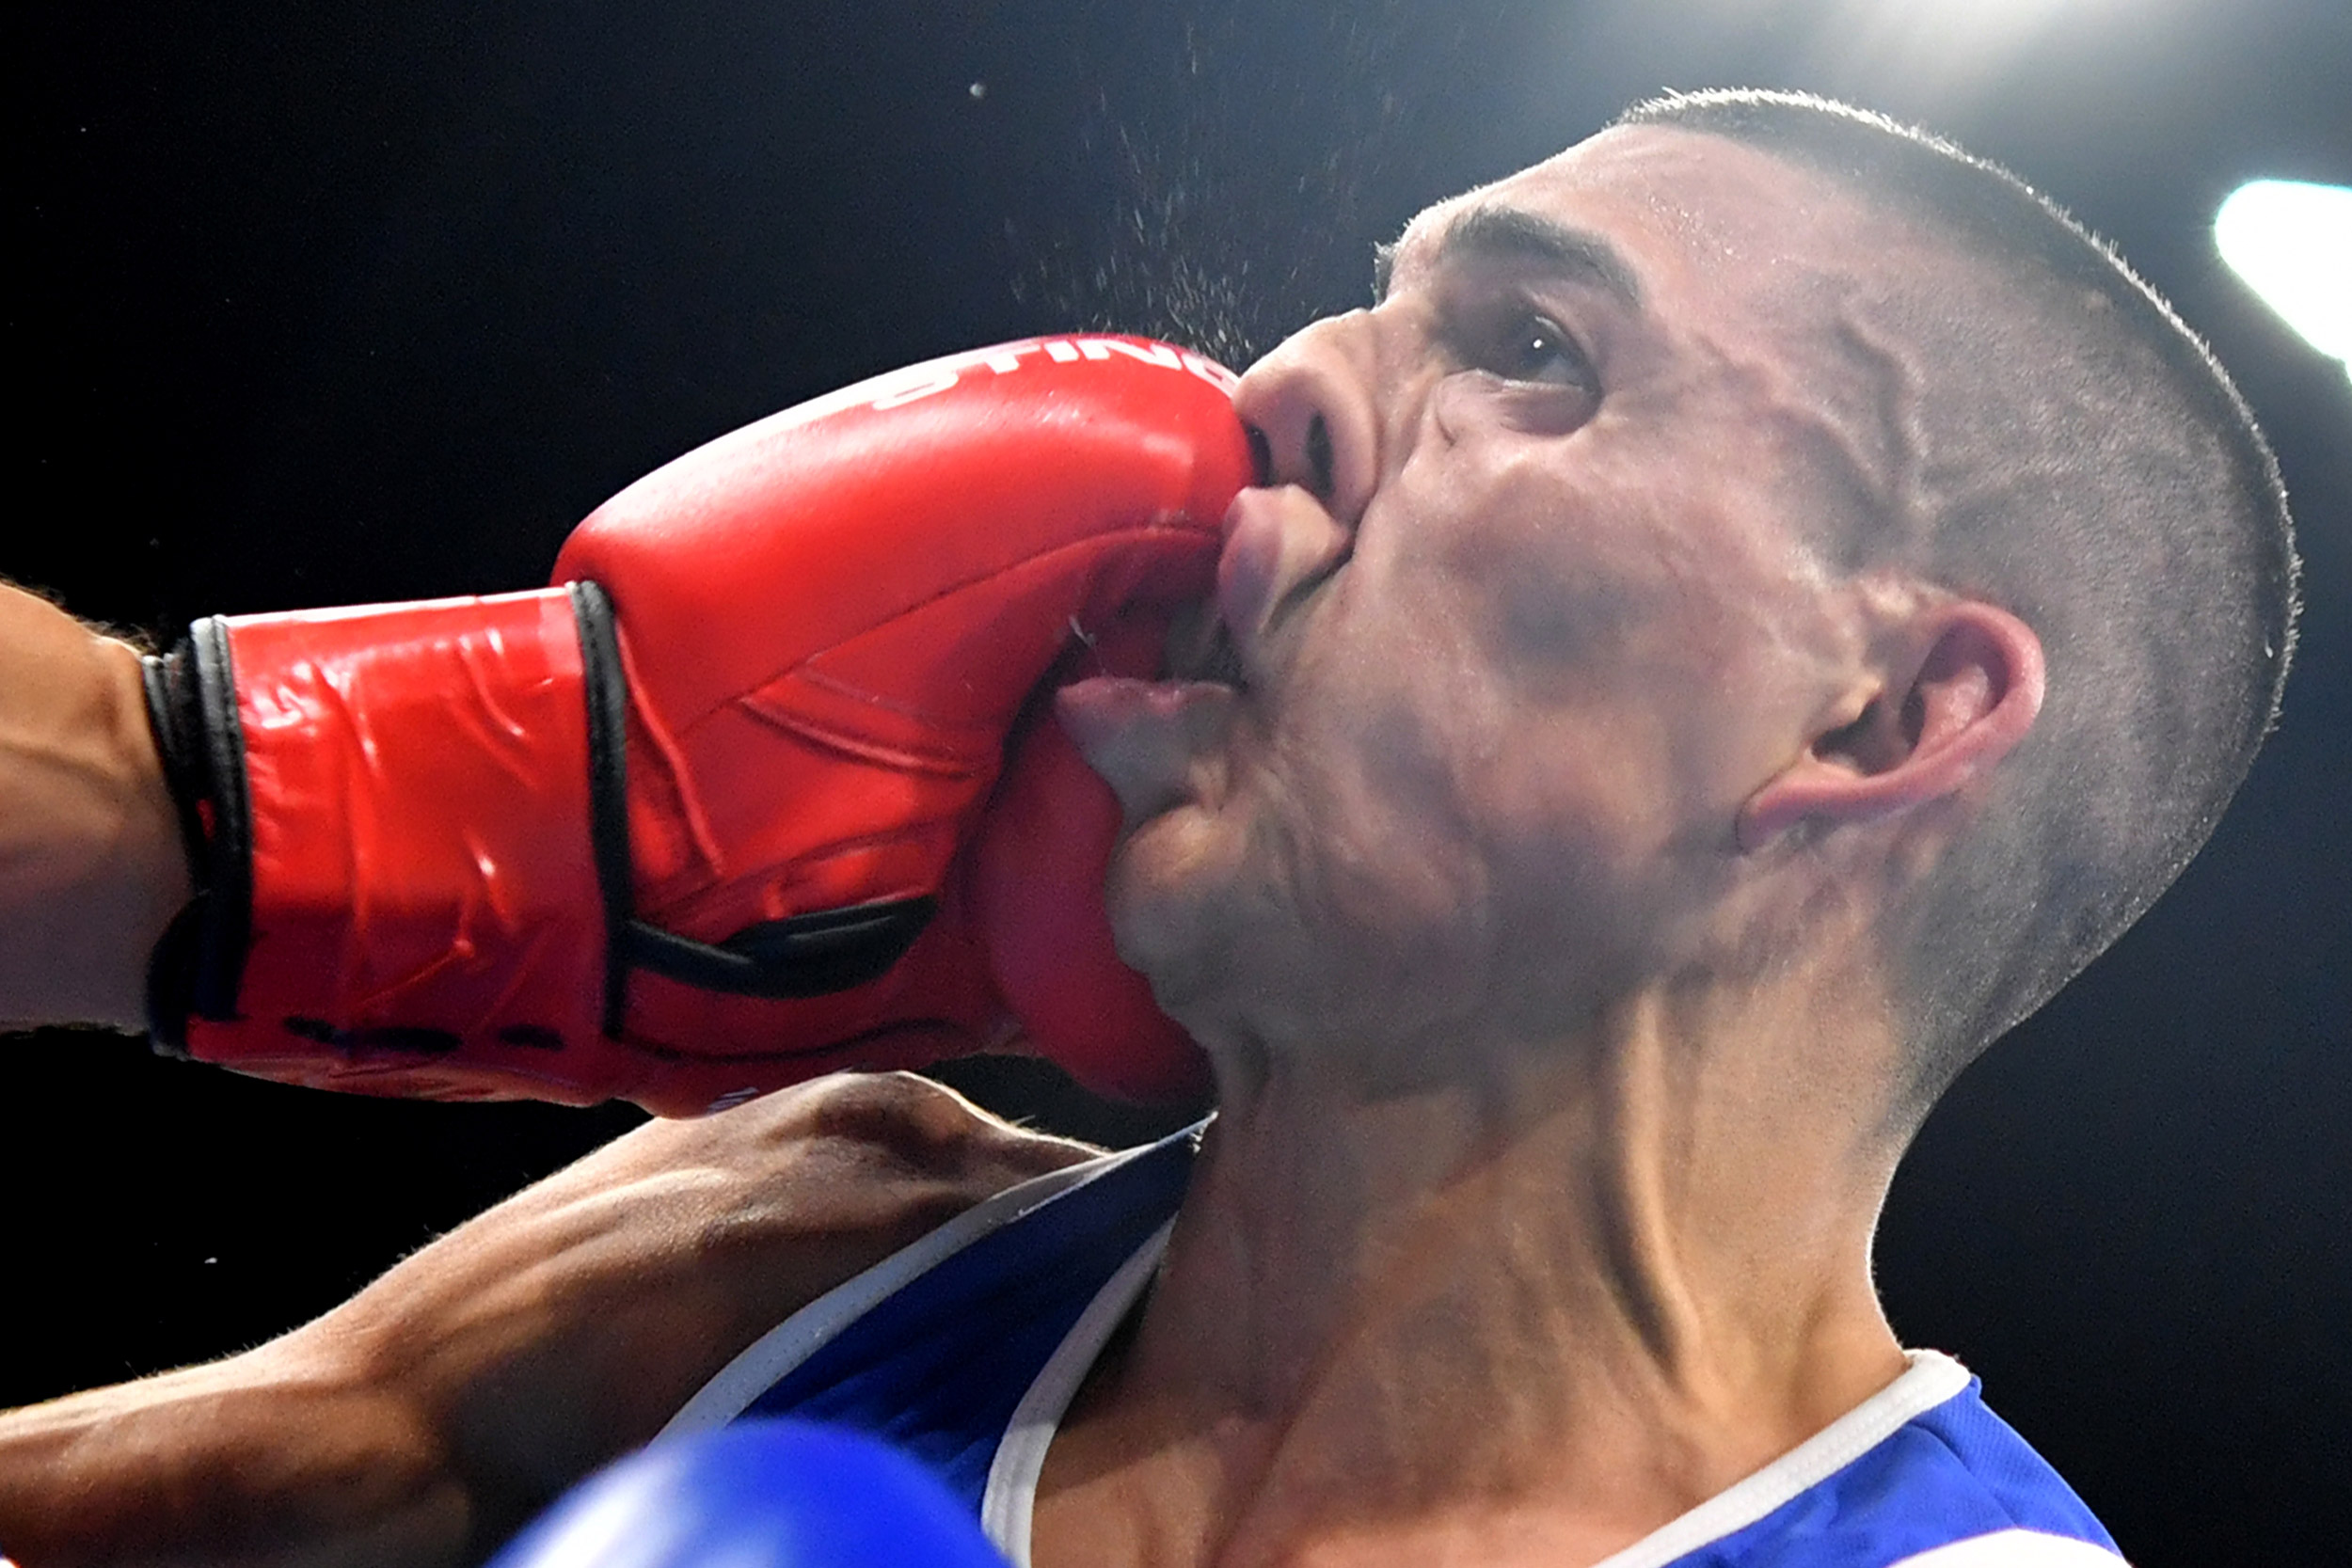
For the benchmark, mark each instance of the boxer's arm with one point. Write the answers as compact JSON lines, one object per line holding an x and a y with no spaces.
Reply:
{"x":432,"y":1414}
{"x":91,"y":866}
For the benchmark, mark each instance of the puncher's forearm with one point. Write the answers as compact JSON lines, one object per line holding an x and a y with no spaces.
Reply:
{"x":256,"y":1459}
{"x":93,"y":867}
{"x":430,"y":1416}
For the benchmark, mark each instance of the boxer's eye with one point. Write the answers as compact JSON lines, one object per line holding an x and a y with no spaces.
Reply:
{"x":1540,"y":350}
{"x":1528,"y":347}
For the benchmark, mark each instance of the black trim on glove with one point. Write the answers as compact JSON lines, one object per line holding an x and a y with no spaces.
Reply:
{"x":191,"y":711}
{"x":809,"y":955}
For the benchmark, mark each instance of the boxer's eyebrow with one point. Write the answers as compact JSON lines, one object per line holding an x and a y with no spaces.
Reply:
{"x":1513,"y":233}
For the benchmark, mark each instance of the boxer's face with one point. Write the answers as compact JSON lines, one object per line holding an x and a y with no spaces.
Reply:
{"x":1507,"y":678}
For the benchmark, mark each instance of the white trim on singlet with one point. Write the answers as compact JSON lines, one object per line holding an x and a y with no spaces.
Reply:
{"x":1008,"y":1502}
{"x":768,"y":1358}
{"x":2014,"y":1548}
{"x":1931,"y":1379}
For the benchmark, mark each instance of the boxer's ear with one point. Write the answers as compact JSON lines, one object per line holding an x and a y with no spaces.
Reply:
{"x":1965,"y":691}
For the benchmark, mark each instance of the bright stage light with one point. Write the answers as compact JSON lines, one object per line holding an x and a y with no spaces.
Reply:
{"x":2292,"y":241}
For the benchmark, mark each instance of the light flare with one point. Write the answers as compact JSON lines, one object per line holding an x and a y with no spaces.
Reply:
{"x":2291,"y":240}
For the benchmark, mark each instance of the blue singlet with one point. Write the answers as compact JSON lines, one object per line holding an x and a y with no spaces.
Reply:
{"x":965,"y":1348}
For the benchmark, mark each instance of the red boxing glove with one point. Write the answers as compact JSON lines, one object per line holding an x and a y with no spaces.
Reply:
{"x":724,"y":811}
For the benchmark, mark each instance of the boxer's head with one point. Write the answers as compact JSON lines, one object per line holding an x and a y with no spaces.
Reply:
{"x":1755,"y":532}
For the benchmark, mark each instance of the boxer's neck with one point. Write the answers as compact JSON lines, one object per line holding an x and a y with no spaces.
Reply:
{"x":1559,"y":1301}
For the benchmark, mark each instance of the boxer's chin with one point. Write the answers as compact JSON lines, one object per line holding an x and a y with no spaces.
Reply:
{"x":1171,"y":894}
{"x":1158,"y":744}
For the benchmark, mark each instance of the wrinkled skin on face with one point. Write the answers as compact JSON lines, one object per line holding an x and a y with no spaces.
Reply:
{"x":1535,"y":602}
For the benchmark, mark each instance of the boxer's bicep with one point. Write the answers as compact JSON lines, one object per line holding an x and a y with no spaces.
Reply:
{"x":91,"y":866}
{"x":475,"y":1381}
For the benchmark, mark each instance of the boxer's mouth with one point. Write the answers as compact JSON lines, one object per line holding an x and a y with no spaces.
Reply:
{"x":1223,"y":664}
{"x":1201,"y":648}
{"x":1155,"y":742}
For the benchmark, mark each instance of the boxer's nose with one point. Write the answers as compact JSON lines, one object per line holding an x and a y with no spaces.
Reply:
{"x":1309,"y":406}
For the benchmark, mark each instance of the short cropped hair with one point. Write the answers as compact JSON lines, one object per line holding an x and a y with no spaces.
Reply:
{"x":2078,"y":457}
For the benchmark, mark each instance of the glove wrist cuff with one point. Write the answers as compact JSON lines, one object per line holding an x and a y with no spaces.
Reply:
{"x":398,"y":883}
{"x":191,"y":711}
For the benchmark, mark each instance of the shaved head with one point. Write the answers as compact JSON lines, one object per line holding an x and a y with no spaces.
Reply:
{"x":2041,"y":431}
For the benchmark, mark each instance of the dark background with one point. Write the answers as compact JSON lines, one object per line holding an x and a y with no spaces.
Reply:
{"x":326,"y":304}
